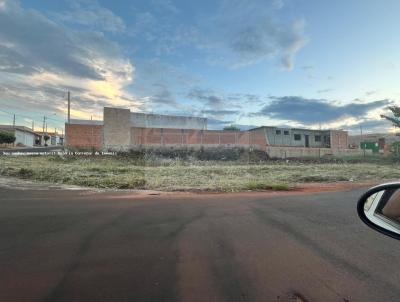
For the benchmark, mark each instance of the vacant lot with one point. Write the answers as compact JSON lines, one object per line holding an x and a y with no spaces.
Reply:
{"x":174,"y":175}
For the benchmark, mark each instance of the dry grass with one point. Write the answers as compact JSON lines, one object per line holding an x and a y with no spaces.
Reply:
{"x":175,"y":175}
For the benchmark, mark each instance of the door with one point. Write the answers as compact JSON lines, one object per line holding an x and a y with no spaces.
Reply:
{"x":307,"y":139}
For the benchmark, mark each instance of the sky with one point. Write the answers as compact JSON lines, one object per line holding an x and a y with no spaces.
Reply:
{"x":290,"y":63}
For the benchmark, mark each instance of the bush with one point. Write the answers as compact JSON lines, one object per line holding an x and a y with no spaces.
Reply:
{"x":7,"y":137}
{"x":185,"y":153}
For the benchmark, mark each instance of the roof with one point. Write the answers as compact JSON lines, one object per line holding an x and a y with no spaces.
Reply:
{"x":20,"y":128}
{"x":296,"y":129}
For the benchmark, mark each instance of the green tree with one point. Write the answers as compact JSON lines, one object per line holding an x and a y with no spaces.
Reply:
{"x":231,"y":128}
{"x":395,"y":118}
{"x":7,"y":137}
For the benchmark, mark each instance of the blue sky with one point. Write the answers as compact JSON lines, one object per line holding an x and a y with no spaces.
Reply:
{"x":291,"y":63}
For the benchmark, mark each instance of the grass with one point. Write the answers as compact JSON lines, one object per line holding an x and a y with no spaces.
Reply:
{"x":176,"y":175}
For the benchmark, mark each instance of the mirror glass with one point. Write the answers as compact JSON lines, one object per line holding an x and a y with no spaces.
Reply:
{"x":383,"y":209}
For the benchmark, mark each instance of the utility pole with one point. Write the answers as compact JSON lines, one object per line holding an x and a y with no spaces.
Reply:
{"x":44,"y":125}
{"x":33,"y":125}
{"x":14,"y":121}
{"x":69,"y":107}
{"x":361,"y":142}
{"x":320,"y":142}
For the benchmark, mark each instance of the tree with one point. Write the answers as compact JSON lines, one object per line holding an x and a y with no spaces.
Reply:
{"x":395,"y":119}
{"x":231,"y":128}
{"x":46,"y":138}
{"x":7,"y":137}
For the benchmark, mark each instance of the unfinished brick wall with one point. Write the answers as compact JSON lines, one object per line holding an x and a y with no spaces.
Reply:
{"x":88,"y":136}
{"x":84,"y":136}
{"x":148,"y":136}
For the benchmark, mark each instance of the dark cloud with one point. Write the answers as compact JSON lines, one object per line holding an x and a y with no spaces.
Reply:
{"x":309,"y":111}
{"x":217,"y":124}
{"x":164,"y":97}
{"x":217,"y":101}
{"x":220,"y":112}
{"x":208,"y":98}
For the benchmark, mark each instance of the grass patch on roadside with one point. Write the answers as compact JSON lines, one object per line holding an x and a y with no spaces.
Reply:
{"x":115,"y":172}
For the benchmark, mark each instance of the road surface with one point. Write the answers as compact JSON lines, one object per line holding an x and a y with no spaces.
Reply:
{"x":82,"y":246}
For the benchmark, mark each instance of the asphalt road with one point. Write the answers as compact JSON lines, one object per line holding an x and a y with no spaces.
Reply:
{"x":80,"y":246}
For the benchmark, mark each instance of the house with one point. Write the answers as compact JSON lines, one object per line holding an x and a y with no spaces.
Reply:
{"x":24,"y":136}
{"x":55,"y":138}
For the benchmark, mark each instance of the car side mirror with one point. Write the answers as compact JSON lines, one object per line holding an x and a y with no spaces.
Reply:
{"x":379,"y":208}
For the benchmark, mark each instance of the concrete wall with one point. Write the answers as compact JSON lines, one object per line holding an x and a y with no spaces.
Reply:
{"x":298,"y":152}
{"x":84,"y":136}
{"x":117,"y":129}
{"x":142,"y":120}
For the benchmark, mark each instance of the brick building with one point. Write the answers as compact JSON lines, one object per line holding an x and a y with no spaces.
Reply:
{"x":123,"y":130}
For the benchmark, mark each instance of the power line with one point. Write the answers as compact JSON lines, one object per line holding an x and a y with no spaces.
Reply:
{"x":29,"y":117}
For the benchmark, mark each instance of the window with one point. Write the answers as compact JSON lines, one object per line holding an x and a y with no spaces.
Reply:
{"x":278,"y":132}
{"x":286,"y":132}
{"x":318,"y":138}
{"x":297,"y":137}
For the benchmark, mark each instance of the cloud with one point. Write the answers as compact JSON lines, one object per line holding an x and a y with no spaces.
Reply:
{"x":32,"y":43}
{"x":371,"y":92}
{"x":240,"y":40}
{"x":369,"y":126}
{"x":325,"y":90}
{"x":278,"y":4}
{"x":312,"y":111}
{"x":217,"y":124}
{"x":219,"y":101}
{"x":224,"y":36}
{"x":307,"y":67}
{"x":207,"y":98}
{"x":220,"y":112}
{"x":163,"y":97}
{"x":89,"y":13}
{"x":165,"y":6}
{"x":40,"y":60}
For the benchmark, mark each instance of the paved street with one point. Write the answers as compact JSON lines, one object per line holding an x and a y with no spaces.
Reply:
{"x":82,"y":246}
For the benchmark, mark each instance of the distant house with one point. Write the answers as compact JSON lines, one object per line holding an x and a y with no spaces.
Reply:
{"x":55,"y":139}
{"x":24,"y":136}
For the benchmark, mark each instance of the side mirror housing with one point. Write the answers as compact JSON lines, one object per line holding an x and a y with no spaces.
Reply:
{"x":379,"y":208}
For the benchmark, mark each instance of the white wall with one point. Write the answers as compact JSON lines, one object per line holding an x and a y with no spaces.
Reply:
{"x":167,"y":121}
{"x":25,"y":138}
